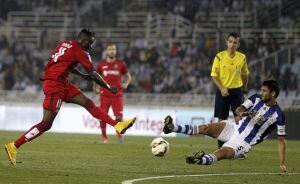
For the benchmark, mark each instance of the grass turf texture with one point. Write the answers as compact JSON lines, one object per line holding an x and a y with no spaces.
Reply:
{"x":69,"y":158}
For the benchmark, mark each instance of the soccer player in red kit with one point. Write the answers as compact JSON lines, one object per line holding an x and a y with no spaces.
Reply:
{"x":111,"y":70}
{"x":67,"y":55}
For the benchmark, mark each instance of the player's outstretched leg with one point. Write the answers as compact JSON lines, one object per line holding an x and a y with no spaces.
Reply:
{"x":185,"y":129}
{"x":208,"y":159}
{"x":122,"y":126}
{"x":201,"y":158}
{"x":168,"y":125}
{"x":213,"y":130}
{"x":98,"y":113}
{"x":120,"y":137}
{"x":11,"y":151}
{"x":32,"y":133}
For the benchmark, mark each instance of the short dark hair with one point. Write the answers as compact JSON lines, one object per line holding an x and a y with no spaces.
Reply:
{"x":234,"y":34}
{"x":110,"y":44}
{"x":273,"y":86}
{"x":86,"y":32}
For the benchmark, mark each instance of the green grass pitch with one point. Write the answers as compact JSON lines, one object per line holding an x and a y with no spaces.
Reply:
{"x":75,"y":158}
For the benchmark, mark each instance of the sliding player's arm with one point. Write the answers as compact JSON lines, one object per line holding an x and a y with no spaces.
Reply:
{"x":281,"y":149}
{"x":243,"y":110}
{"x":281,"y":140}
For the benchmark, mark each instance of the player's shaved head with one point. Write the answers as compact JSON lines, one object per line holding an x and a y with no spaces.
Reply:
{"x":85,"y":39}
{"x":86,"y":32}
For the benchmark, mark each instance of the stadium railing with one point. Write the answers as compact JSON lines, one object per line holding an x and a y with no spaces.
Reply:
{"x":33,"y":27}
{"x":232,"y":20}
{"x":41,"y":20}
{"x":272,"y":60}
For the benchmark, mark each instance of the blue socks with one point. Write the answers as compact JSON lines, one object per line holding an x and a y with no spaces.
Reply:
{"x":208,"y":159}
{"x":186,"y":129}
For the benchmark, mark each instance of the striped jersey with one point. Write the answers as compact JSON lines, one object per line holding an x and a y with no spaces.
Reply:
{"x":255,"y":128}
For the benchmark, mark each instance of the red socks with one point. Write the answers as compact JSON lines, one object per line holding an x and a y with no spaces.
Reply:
{"x":33,"y":133}
{"x":43,"y":126}
{"x":98,"y":113}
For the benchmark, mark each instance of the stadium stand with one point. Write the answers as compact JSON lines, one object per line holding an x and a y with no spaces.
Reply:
{"x":168,"y":47}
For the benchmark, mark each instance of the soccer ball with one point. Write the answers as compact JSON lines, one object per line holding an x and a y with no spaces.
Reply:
{"x":159,"y":147}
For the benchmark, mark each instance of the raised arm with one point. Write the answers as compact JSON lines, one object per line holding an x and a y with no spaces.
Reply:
{"x":242,"y":112}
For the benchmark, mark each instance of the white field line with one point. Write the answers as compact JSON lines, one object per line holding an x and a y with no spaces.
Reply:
{"x":201,"y":175}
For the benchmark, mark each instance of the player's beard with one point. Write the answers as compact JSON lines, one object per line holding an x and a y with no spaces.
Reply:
{"x":267,"y":99}
{"x":111,"y":57}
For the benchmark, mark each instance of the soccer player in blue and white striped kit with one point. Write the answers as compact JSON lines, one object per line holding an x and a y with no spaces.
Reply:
{"x":259,"y":116}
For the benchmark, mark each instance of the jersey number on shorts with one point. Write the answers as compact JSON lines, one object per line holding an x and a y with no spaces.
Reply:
{"x":58,"y":54}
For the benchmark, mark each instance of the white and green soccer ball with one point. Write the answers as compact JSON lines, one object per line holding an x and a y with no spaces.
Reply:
{"x":159,"y":147}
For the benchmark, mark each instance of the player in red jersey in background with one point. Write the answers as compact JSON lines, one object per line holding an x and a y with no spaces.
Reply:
{"x":112,"y":70}
{"x":67,"y":55}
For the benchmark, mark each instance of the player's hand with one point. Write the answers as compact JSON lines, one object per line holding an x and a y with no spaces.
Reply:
{"x":283,"y":168}
{"x":113,"y":89}
{"x":96,"y":91}
{"x":247,"y":113}
{"x":245,"y":92}
{"x":124,"y":86}
{"x":224,"y":92}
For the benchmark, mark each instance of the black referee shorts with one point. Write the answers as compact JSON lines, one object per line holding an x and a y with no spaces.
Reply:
{"x":233,"y":101}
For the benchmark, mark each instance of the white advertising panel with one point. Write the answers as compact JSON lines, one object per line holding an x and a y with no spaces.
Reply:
{"x":75,"y":119}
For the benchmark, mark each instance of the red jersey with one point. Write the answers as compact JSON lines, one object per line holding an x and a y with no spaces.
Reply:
{"x":112,"y":73}
{"x":67,"y":55}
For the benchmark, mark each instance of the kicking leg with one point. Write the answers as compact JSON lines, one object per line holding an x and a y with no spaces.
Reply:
{"x":208,"y":159}
{"x":117,"y":107}
{"x":95,"y":111}
{"x":212,"y":130}
{"x":119,"y":119}
{"x":98,"y":113}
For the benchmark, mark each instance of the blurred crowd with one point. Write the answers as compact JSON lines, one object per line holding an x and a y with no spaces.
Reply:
{"x":38,"y":6}
{"x":179,"y":68}
{"x":90,"y":10}
{"x":262,"y":9}
{"x":156,"y":68}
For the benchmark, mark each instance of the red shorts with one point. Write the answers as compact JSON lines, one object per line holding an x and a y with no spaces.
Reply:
{"x":57,"y":92}
{"x":115,"y":102}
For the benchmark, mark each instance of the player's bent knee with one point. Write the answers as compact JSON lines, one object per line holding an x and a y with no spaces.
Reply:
{"x":204,"y":129}
{"x":228,"y":152}
{"x":46,"y":125}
